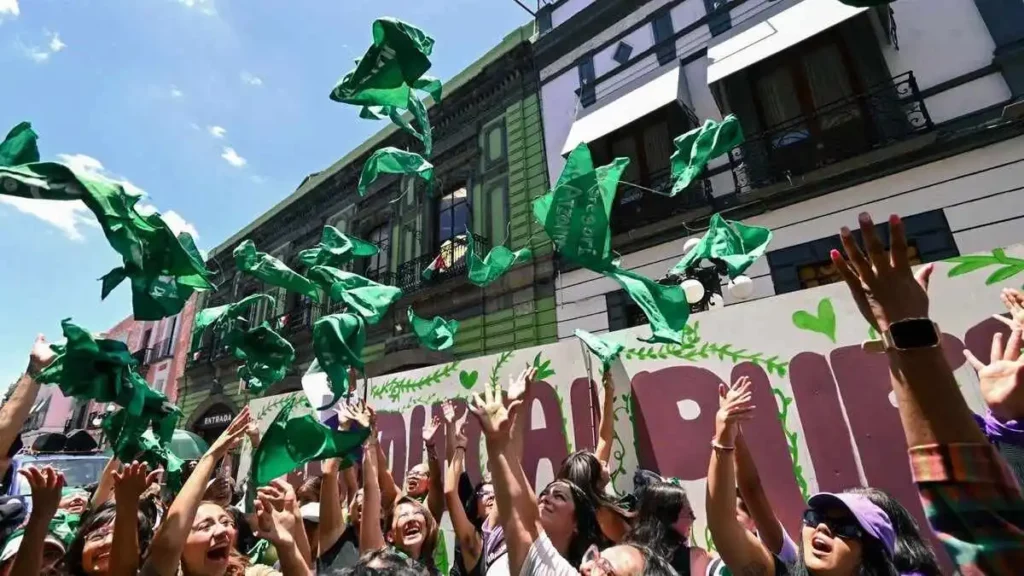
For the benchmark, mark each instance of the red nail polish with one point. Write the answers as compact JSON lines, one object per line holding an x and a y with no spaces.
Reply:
{"x":834,"y":254}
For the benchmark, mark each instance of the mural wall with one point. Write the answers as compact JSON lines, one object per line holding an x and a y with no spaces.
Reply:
{"x":825,"y":420}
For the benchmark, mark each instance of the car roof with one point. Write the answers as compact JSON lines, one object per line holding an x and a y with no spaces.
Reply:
{"x":35,"y":457}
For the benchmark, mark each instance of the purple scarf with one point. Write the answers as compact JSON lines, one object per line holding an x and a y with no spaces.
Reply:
{"x":1009,"y":432}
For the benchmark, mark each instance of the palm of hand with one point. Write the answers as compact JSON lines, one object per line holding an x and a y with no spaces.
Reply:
{"x":1002,"y":385}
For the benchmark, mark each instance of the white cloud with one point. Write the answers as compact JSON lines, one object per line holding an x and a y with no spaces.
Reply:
{"x":35,"y":53}
{"x":232,"y":157}
{"x":175,"y":93}
{"x":10,"y":8}
{"x":251,"y":79}
{"x":203,"y":6}
{"x":90,"y":166}
{"x":56,"y":44}
{"x":67,"y":216}
{"x":257,"y":179}
{"x":174,"y":221}
{"x":217,"y":131}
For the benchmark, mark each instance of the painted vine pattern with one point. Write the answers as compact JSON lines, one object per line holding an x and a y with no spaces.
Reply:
{"x":619,"y":452}
{"x":502,"y":360}
{"x":791,"y":441}
{"x":693,"y":349}
{"x":395,"y":388}
{"x":1008,"y":265}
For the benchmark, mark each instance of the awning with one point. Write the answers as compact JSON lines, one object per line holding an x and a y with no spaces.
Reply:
{"x":629,"y":107}
{"x":779,"y":32}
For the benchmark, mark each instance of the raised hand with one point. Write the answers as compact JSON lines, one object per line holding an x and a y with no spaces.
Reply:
{"x":493,"y":415}
{"x":358,"y":413}
{"x":520,"y":387}
{"x":40,"y":356}
{"x":448,"y":409}
{"x":1002,"y":380}
{"x":734,"y":406}
{"x":46,"y":485}
{"x":1013,"y":299}
{"x":273,"y":522}
{"x":882,"y":285}
{"x":132,"y":481}
{"x":231,"y":437}
{"x":430,"y":430}
{"x":458,"y":433}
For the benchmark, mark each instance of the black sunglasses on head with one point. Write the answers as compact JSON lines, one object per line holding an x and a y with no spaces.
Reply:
{"x":842,"y":527}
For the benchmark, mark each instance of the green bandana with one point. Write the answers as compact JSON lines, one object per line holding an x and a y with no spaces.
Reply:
{"x":576,"y":212}
{"x":133,"y":439}
{"x":498,"y":261}
{"x":701,"y":145}
{"x":63,"y":525}
{"x":419,"y":112}
{"x":291,"y":442}
{"x":391,"y":160}
{"x":225,"y":319}
{"x":665,"y":306}
{"x":272,"y":271}
{"x":738,"y":245}
{"x":363,"y":296}
{"x":338,"y":342}
{"x":437,"y":334}
{"x":387,"y":73}
{"x":256,"y":553}
{"x":164,"y":269}
{"x":606,"y":351}
{"x":267,"y":356}
{"x":337,"y":249}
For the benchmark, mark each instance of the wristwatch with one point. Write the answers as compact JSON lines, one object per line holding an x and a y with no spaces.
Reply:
{"x":911,"y":334}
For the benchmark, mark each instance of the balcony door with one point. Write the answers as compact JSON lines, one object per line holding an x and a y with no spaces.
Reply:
{"x":809,"y":99}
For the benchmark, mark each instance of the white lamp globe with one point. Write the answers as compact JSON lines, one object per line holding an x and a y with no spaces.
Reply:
{"x":693,"y":289}
{"x":97,"y":421}
{"x":741,"y":287}
{"x":690,"y":244}
{"x":716,"y":301}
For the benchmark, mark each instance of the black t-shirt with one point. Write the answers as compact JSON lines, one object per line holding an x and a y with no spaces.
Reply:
{"x":344,"y":553}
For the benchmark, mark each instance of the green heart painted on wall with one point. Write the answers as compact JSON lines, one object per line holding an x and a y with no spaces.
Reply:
{"x":824,"y":323}
{"x":468,"y":379}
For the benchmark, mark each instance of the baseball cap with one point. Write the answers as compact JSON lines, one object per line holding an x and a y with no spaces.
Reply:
{"x":311,"y":512}
{"x":872,"y":519}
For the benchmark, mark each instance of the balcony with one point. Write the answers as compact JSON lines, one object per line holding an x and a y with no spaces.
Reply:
{"x":883,"y":115}
{"x":143,"y":356}
{"x":161,"y":350}
{"x":635,"y":208}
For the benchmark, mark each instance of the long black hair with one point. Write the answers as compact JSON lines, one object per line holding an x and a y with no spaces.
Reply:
{"x":587,"y":530}
{"x":93,"y":520}
{"x":913,"y":553}
{"x":583,"y":469}
{"x":658,"y":508}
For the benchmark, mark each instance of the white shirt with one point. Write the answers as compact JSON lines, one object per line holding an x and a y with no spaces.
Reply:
{"x":544,"y":560}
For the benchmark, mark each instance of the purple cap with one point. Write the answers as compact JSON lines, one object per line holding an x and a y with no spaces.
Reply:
{"x":871,"y":518}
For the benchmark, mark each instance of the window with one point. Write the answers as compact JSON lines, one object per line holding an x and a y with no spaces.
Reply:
{"x":809,"y":265}
{"x":452,"y":215}
{"x":718,"y":23}
{"x":377,"y":265}
{"x":588,"y":88}
{"x":663,"y":33}
{"x":622,"y":53}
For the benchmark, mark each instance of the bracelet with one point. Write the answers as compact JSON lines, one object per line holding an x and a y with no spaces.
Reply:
{"x":717,"y":446}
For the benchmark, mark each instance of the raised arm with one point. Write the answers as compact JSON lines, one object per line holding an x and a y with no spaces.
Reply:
{"x":769,"y":528}
{"x":106,"y":484}
{"x":46,"y":484}
{"x":332,"y":521}
{"x":740,"y":550}
{"x":385,"y":481}
{"x":169,"y":540}
{"x":606,"y":431}
{"x":519,"y":391}
{"x":128,"y":487}
{"x":370,"y":535}
{"x":276,"y":523}
{"x":435,"y":494}
{"x":15,"y":411}
{"x":513,"y":498}
{"x":465,"y":531}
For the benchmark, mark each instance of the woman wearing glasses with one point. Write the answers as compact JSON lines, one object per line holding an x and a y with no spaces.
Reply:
{"x":843,"y":534}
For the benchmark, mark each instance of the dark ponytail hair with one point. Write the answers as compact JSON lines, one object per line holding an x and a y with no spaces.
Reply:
{"x":913,"y":553}
{"x":587,"y":530}
{"x":658,"y":508}
{"x":583,"y":469}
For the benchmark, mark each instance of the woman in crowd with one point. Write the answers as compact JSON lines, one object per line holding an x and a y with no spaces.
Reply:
{"x":913,"y":556}
{"x":843,"y":534}
{"x":198,"y":538}
{"x":411,"y":528}
{"x":664,"y":520}
{"x":591,"y":473}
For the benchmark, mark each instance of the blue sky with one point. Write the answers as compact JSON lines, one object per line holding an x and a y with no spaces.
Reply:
{"x":217,"y":109}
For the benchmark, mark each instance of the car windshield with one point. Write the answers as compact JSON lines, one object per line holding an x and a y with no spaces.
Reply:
{"x":78,"y":472}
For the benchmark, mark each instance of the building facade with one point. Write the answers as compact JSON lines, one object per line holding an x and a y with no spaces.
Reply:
{"x":912,"y":108}
{"x":489,"y":164}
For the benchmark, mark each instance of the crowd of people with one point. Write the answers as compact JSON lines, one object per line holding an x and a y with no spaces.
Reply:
{"x":354,"y":518}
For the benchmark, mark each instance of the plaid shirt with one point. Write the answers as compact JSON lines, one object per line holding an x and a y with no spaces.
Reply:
{"x":974,"y":505}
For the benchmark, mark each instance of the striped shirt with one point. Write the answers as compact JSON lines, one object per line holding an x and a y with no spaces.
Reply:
{"x":973,"y":503}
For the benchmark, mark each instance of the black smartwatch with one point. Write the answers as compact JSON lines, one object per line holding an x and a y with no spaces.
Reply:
{"x":911,"y":334}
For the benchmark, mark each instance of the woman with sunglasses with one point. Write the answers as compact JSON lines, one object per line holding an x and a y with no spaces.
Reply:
{"x":843,"y":534}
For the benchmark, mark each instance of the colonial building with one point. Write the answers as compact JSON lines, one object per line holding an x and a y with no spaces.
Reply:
{"x":914,"y":107}
{"x":489,"y":165}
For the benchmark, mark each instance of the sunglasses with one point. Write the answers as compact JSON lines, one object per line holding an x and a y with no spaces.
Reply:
{"x":843,"y":527}
{"x":593,"y":555}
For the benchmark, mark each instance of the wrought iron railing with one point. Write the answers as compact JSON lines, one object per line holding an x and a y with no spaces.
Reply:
{"x":407,"y":276}
{"x":886,"y":113}
{"x":636,"y":206}
{"x":159,"y":351}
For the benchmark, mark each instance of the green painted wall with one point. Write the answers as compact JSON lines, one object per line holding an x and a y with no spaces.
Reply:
{"x":527,"y":173}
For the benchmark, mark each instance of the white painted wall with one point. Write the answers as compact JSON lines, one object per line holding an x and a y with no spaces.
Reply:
{"x":558,"y":111}
{"x":568,"y":10}
{"x":981,"y":192}
{"x":640,"y":39}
